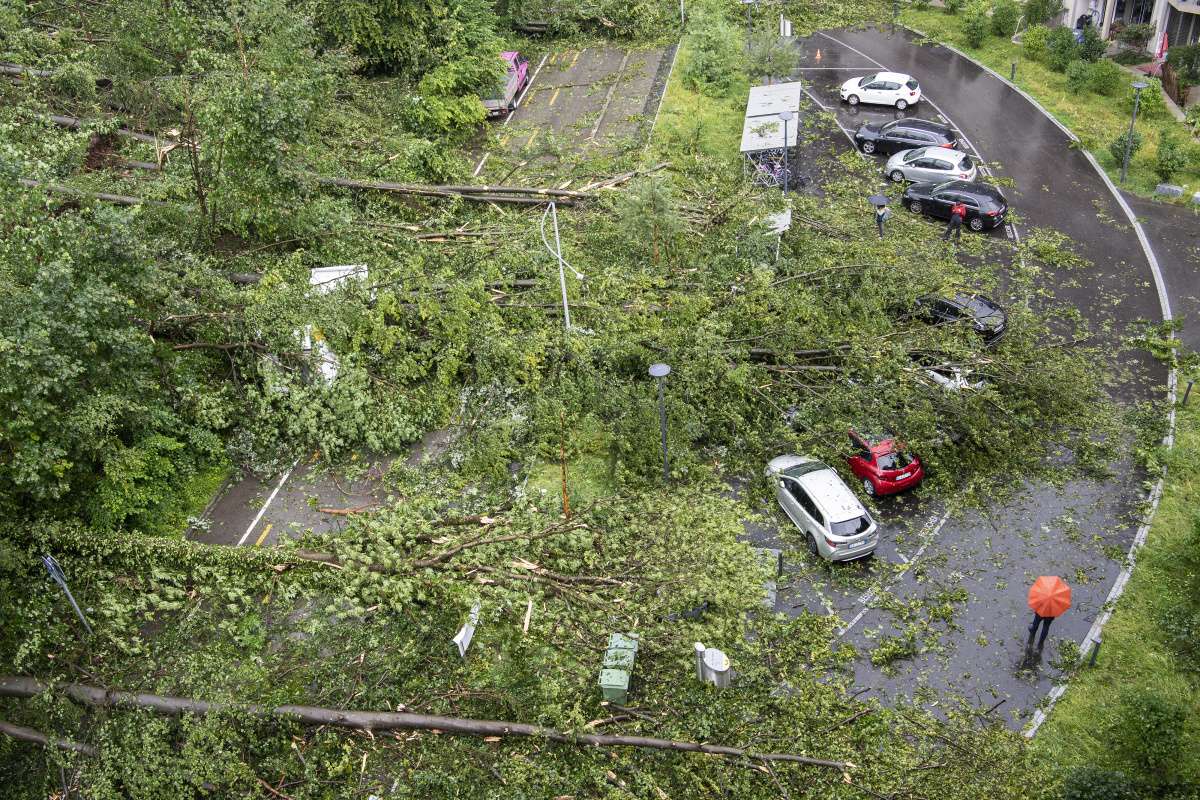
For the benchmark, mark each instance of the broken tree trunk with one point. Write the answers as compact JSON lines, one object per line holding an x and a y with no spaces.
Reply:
{"x":75,"y":123}
{"x":116,"y":199}
{"x":37,"y":737}
{"x":502,"y":194}
{"x":20,"y":686}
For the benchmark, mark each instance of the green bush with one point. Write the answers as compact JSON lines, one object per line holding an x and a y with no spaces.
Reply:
{"x":1148,"y":734}
{"x":976,"y":25}
{"x":1151,"y":105}
{"x":1079,"y":76}
{"x":1093,"y":783}
{"x":1092,"y":48}
{"x":1061,"y":49}
{"x":1116,"y":148}
{"x":1039,"y":12}
{"x":1192,"y":119}
{"x":716,"y":56}
{"x":1034,"y":43}
{"x":1004,"y":18}
{"x":1186,"y":61}
{"x":1171,"y":158}
{"x":1135,"y":36}
{"x":1106,"y":77}
{"x":75,"y":80}
{"x":954,"y":6}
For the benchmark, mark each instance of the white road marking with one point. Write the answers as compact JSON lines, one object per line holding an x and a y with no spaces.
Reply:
{"x":508,"y":117}
{"x":479,"y":168}
{"x":806,"y":69}
{"x":844,"y":129}
{"x":263,"y":510}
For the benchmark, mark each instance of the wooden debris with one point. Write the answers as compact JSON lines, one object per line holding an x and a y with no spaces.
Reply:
{"x":116,"y":199}
{"x":37,"y":737}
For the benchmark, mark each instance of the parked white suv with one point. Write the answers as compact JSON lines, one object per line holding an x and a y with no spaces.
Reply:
{"x":883,"y":89}
{"x":835,"y":523}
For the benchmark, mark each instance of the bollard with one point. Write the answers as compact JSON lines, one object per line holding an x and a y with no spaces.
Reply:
{"x":1012,"y":75}
{"x":1187,"y":391}
{"x":1095,"y":652}
{"x":699,"y":650}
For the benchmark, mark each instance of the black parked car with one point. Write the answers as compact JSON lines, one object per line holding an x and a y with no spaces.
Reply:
{"x":987,"y":318}
{"x":985,"y":204}
{"x":903,"y":134}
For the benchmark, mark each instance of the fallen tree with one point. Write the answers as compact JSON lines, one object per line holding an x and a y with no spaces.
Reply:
{"x":26,"y":687}
{"x":116,"y":199}
{"x":24,"y":734}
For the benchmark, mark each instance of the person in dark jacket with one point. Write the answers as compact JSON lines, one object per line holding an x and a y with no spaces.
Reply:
{"x":958,"y":213}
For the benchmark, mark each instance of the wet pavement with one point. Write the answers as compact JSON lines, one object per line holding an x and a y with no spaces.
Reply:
{"x":940,"y":609}
{"x":605,"y":96}
{"x":1174,"y":233}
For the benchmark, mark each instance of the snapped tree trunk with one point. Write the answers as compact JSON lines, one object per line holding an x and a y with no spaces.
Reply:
{"x":21,"y":686}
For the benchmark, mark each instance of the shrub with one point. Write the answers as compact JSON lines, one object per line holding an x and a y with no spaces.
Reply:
{"x":1116,"y":148}
{"x":1092,"y":48}
{"x":954,"y":6}
{"x":1079,"y":76}
{"x":921,"y":5}
{"x":1004,"y":17}
{"x":1129,"y":58}
{"x":1106,"y":77}
{"x":1038,"y":12}
{"x":1060,"y":48}
{"x":1186,"y":61}
{"x":1192,"y":119}
{"x":1135,"y":36}
{"x":1151,"y":105}
{"x":976,"y":24}
{"x":1093,"y":783}
{"x":716,"y":57}
{"x":1171,"y":159}
{"x":75,"y":80}
{"x":1034,"y":41}
{"x":1148,"y":734}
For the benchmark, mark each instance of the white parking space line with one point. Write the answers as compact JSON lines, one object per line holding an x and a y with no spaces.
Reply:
{"x":263,"y":510}
{"x":836,"y":121}
{"x":848,"y":47}
{"x":869,"y":596}
{"x":806,"y":69}
{"x":508,"y":117}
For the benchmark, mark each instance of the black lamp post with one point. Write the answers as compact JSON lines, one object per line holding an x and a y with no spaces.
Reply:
{"x":57,"y":575}
{"x":1137,"y":96}
{"x":661,"y":371}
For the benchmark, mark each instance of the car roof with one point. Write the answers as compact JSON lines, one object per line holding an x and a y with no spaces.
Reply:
{"x":893,"y":76}
{"x":912,"y":123}
{"x":832,"y":494}
{"x":975,"y":188}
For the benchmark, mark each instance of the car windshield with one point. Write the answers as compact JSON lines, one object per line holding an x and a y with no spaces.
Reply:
{"x":804,"y":469}
{"x":894,"y":460}
{"x":913,"y":155}
{"x":866,"y":80}
{"x":980,"y":307}
{"x":851,"y":526}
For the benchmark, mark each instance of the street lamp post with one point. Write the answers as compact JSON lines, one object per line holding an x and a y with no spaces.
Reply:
{"x":786,"y":116}
{"x":57,"y":575}
{"x":556,"y":251}
{"x":1137,"y":96}
{"x":661,"y":371}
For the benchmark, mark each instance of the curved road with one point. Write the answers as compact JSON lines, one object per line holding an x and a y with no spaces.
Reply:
{"x":982,"y":563}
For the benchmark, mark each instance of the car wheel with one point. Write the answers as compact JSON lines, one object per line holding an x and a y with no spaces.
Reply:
{"x":915,"y":206}
{"x":901,"y":105}
{"x":897,"y":176}
{"x":852,"y":99}
{"x":812,"y":546}
{"x":868,"y":487}
{"x":868,"y":147}
{"x":975,"y":224}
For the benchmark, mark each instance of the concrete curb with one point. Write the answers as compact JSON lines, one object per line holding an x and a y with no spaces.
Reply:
{"x":1164,"y":302}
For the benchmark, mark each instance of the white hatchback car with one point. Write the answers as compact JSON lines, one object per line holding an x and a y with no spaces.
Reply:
{"x":883,"y":89}
{"x":835,"y":523}
{"x":930,"y":165}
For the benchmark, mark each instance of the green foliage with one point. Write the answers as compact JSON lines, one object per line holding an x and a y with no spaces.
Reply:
{"x":954,"y":6}
{"x":1097,"y":783}
{"x":975,"y":24}
{"x":1116,"y":147}
{"x":75,"y":80}
{"x":771,"y":56}
{"x":1151,"y":105}
{"x":1093,"y":47}
{"x":1061,"y":48}
{"x":1004,"y":17}
{"x":1192,"y":119}
{"x":1039,"y":12}
{"x":716,"y":54}
{"x":1136,"y":36}
{"x":1079,"y":76}
{"x":1149,"y":734}
{"x":1171,"y":158}
{"x":1106,"y":78}
{"x":1186,"y":61}
{"x":1035,"y":43}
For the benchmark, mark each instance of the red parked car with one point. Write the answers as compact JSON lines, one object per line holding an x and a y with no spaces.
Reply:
{"x":884,"y":466}
{"x":516,"y":78}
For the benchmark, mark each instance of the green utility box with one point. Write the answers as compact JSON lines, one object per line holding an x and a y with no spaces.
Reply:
{"x":614,"y":685}
{"x":617,"y":666}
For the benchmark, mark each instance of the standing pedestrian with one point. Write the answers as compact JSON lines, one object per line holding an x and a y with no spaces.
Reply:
{"x":882,"y":215}
{"x":958,"y":213}
{"x":1038,"y":619}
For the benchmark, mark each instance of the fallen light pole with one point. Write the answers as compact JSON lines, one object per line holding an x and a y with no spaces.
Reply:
{"x":57,"y":574}
{"x":1137,"y":97}
{"x":661,"y":371}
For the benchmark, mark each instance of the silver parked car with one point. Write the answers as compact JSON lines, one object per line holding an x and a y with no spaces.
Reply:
{"x":835,"y":523}
{"x":930,"y":165}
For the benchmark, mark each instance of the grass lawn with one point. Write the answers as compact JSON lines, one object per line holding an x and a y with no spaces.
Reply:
{"x":190,"y":501}
{"x":1095,"y":119}
{"x":1086,"y":725}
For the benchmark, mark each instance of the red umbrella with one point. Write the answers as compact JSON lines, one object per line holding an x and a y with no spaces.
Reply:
{"x":1049,"y":596}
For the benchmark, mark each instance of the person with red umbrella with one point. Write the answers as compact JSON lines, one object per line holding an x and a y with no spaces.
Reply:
{"x":1049,"y":597}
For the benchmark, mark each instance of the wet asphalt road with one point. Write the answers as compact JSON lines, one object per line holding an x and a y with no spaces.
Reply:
{"x":1175,"y":233}
{"x":948,"y":591}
